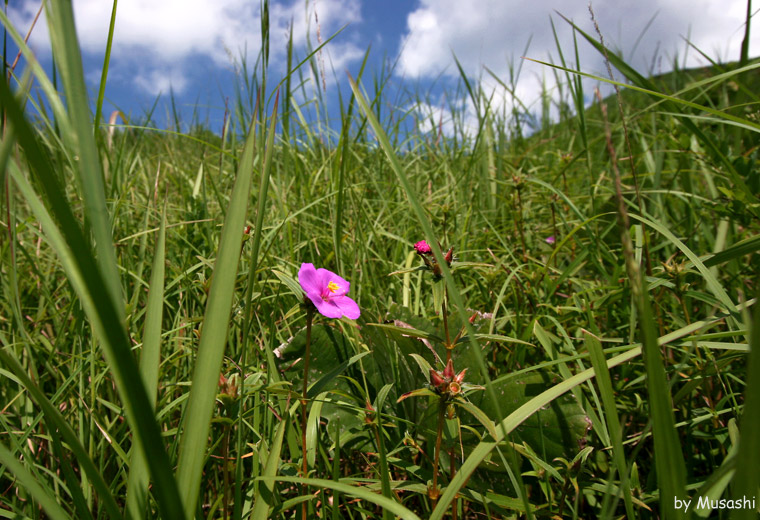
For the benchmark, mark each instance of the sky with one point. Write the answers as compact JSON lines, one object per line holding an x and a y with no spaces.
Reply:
{"x":193,"y":48}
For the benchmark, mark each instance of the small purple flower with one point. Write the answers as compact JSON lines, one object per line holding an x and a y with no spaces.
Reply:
{"x":327,"y":291}
{"x":550,"y":240}
{"x":422,"y":248}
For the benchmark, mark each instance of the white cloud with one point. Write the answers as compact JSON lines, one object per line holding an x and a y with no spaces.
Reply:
{"x":494,"y":34}
{"x":157,"y":82}
{"x":156,"y":36}
{"x":436,"y":120}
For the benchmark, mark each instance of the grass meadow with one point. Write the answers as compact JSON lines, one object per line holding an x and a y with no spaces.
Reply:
{"x":574,"y":338}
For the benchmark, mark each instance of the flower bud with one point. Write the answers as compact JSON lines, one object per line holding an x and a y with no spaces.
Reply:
{"x":422,"y":248}
{"x":449,"y":256}
{"x":436,"y":379}
{"x":448,"y":372}
{"x":369,"y":413}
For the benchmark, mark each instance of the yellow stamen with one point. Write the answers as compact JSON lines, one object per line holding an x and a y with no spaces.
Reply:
{"x":332,"y":286}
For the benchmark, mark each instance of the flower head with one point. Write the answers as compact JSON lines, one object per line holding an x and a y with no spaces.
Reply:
{"x":422,"y":248}
{"x":447,"y":382}
{"x":449,"y":256}
{"x":550,"y":240}
{"x":327,"y":291}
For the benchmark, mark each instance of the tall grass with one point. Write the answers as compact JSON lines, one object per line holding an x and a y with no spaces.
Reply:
{"x":152,"y":334}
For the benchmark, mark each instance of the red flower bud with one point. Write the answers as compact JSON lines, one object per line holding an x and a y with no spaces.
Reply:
{"x":460,"y":376}
{"x":435,"y":379}
{"x":449,"y":256}
{"x":448,"y":372}
{"x":422,"y":248}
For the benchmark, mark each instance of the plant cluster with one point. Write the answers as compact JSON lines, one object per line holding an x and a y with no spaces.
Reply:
{"x":169,"y":349}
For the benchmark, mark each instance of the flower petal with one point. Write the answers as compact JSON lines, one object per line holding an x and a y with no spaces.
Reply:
{"x":316,"y":299}
{"x":347,"y":306}
{"x":327,"y":276}
{"x":316,"y":284}
{"x":309,"y":279}
{"x":329,"y":309}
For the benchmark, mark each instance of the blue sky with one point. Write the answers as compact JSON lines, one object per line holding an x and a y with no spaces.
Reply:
{"x":189,"y":45}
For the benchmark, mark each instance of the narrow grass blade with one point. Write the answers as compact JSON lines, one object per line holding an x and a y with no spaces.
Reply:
{"x":73,"y":481}
{"x":594,"y":347}
{"x":668,"y":457}
{"x":263,"y":503}
{"x":712,"y":283}
{"x":355,"y":491}
{"x":427,"y":229}
{"x":745,"y":247}
{"x":312,"y":428}
{"x":150,"y":360}
{"x":746,"y":481}
{"x":69,"y":61}
{"x":54,"y":419}
{"x":44,"y":497}
{"x":512,"y":421}
{"x":672,"y":104}
{"x":104,"y":72}
{"x":83,"y":273}
{"x":197,"y":417}
{"x":48,"y":88}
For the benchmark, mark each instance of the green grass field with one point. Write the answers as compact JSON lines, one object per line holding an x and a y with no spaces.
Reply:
{"x":596,"y":279}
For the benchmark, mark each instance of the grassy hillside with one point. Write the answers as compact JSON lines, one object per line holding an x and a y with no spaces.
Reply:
{"x":595,"y":279}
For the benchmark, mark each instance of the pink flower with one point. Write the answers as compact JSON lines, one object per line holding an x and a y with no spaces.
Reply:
{"x":422,"y":248}
{"x":550,"y":240}
{"x":327,"y":291}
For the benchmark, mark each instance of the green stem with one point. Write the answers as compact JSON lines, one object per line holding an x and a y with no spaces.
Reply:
{"x":449,"y":346}
{"x":304,"y":462}
{"x":452,"y":472}
{"x":226,"y":470}
{"x":433,"y":492}
{"x":520,"y":226}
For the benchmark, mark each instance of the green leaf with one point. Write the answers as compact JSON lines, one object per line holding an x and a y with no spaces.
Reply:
{"x":44,"y":497}
{"x":197,"y":417}
{"x":150,"y":360}
{"x":330,"y":376}
{"x":68,"y":59}
{"x":480,"y":415}
{"x":54,"y":419}
{"x":746,"y":481}
{"x":265,"y":501}
{"x":603,"y":379}
{"x":484,"y":448}
{"x":290,"y":282}
{"x":331,"y":355}
{"x":312,"y":427}
{"x":407,"y":331}
{"x":423,"y":364}
{"x":498,"y":338}
{"x":354,"y":491}
{"x":738,"y":250}
{"x":712,"y":283}
{"x":554,"y":430}
{"x":420,"y":392}
{"x":66,"y":237}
